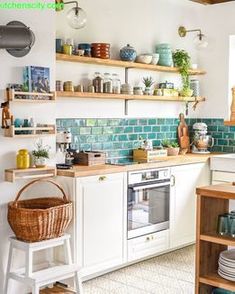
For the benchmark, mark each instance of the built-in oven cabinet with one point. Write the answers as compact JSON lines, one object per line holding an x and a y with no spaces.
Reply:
{"x":101,"y":222}
{"x":185,"y":179}
{"x":148,"y":245}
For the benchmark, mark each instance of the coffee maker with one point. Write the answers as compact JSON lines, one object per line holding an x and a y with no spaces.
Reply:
{"x":201,"y":141}
{"x":63,"y":143}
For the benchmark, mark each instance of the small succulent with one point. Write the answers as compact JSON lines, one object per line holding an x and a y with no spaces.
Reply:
{"x":174,"y":145}
{"x":168,"y":144}
{"x":41,"y":151}
{"x":148,"y":81}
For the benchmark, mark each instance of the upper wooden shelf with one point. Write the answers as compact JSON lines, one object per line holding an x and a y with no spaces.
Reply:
{"x":215,"y":238}
{"x":32,"y":97}
{"x":81,"y":95}
{"x":124,"y":64}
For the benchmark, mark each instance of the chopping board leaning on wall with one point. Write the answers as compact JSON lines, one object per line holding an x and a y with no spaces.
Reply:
{"x":183,"y":135}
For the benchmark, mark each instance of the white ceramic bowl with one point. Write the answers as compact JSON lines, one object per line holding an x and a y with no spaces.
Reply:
{"x":155,"y":58}
{"x":144,"y":58}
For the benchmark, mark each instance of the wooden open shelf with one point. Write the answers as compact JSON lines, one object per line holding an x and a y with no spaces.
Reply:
{"x":32,"y":131}
{"x":14,"y":174}
{"x":32,"y":97}
{"x":81,"y":95}
{"x":213,"y":279}
{"x":57,"y":289}
{"x":211,"y":202}
{"x":123,"y":64}
{"x":215,"y":238}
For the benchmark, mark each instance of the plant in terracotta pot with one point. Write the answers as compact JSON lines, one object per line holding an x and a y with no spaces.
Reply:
{"x":182,"y":60}
{"x":41,"y":154}
{"x":148,"y":82}
{"x":172,"y":147}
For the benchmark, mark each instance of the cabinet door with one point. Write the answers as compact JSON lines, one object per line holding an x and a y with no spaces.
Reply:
{"x":183,"y":201}
{"x":103,"y":202}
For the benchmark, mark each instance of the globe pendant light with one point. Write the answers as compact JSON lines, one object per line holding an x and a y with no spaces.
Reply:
{"x":76,"y":17}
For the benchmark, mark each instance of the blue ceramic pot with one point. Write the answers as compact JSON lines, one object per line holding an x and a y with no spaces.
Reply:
{"x":128,"y":53}
{"x":165,"y":54}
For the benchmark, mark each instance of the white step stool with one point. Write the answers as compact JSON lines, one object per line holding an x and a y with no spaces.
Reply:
{"x":48,"y":276}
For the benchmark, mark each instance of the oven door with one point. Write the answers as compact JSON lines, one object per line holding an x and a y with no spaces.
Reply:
{"x":148,"y":208}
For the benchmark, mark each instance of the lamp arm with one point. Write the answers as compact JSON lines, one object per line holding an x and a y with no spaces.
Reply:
{"x":72,"y":2}
{"x":196,"y":30}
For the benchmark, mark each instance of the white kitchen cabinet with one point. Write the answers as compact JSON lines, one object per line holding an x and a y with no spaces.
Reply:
{"x":100,"y":222}
{"x":185,"y":179}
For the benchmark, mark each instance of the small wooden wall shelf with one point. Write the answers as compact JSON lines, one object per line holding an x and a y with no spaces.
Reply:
{"x":229,"y":123}
{"x":13,"y":174}
{"x":65,"y":94}
{"x":32,"y":97}
{"x":211,"y":201}
{"x":20,"y":132}
{"x":123,"y":64}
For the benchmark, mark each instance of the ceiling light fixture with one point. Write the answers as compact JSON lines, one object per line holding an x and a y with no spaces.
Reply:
{"x":76,"y":16}
{"x":200,"y":40}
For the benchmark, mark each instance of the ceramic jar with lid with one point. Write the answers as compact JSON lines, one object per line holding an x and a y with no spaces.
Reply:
{"x":165,"y":54}
{"x":23,"y":159}
{"x":128,"y":53}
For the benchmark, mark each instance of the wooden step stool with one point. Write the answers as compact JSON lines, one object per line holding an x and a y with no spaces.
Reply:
{"x":48,"y":276}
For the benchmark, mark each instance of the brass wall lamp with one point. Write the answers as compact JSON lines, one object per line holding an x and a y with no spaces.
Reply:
{"x":200,"y":40}
{"x":76,"y":16}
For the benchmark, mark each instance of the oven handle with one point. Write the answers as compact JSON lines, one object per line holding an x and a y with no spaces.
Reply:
{"x":151,"y":186}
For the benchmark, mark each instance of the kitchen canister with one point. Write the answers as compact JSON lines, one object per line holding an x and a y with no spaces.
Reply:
{"x":165,"y":54}
{"x":195,"y":86}
{"x":128,"y":53}
{"x":23,"y":159}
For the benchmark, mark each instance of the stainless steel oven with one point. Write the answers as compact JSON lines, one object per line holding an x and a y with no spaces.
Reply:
{"x":148,"y":201}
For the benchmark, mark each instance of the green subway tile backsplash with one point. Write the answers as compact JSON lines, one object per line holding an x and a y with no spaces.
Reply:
{"x":118,"y":137}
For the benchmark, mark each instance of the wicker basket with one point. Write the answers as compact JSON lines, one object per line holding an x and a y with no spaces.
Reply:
{"x":41,"y":218}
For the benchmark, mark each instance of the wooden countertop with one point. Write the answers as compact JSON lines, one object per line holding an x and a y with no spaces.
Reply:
{"x":83,"y":171}
{"x":226,"y":191}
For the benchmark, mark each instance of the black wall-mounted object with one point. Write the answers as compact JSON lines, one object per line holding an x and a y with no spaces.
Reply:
{"x":16,"y":38}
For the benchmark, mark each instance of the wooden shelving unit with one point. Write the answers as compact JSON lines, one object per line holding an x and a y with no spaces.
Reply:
{"x":211,"y":201}
{"x":123,"y":64}
{"x":127,"y":97}
{"x":14,"y":174}
{"x":229,"y":123}
{"x":27,"y":132}
{"x":32,"y":97}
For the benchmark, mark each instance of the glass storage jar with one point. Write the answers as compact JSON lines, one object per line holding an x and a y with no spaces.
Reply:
{"x":116,"y":84}
{"x":108,"y":85}
{"x":98,"y":83}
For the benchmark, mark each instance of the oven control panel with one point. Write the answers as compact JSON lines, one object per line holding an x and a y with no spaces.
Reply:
{"x":148,"y":175}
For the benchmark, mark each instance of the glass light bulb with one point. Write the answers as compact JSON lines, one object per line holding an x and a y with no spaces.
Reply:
{"x":76,"y":18}
{"x":200,"y":41}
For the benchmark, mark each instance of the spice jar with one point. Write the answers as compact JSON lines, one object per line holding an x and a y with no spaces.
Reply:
{"x":98,"y":83}
{"x":116,"y":84}
{"x":23,"y":159}
{"x":108,"y":85}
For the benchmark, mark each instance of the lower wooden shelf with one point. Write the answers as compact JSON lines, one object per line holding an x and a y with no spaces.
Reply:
{"x":57,"y":290}
{"x":215,"y":238}
{"x":64,"y":94}
{"x":14,"y":174}
{"x":229,"y":123}
{"x":213,"y":279}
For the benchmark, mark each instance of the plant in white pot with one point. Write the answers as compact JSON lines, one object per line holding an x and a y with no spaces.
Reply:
{"x":148,"y":82}
{"x":172,"y":147}
{"x":41,"y":154}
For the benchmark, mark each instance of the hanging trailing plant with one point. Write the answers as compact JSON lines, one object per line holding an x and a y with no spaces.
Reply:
{"x":182,"y":60}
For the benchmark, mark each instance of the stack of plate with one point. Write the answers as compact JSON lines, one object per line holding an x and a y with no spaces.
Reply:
{"x":100,"y":50}
{"x":127,"y":89}
{"x":227,"y":265}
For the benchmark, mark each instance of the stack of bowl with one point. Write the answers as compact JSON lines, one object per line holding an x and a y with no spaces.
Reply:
{"x":165,"y":54}
{"x":127,"y":89}
{"x":100,"y":50}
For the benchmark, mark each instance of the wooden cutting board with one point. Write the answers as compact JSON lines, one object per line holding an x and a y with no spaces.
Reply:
{"x":183,"y":134}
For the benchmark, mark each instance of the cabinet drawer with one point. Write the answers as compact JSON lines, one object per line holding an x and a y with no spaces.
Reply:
{"x":148,"y":245}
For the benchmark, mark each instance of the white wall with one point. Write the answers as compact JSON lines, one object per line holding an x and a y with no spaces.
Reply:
{"x":218,"y":24}
{"x":42,"y":54}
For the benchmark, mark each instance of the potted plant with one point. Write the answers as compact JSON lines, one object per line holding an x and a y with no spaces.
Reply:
{"x":148,"y":82}
{"x":172,"y":147}
{"x":182,"y":60}
{"x":41,"y":154}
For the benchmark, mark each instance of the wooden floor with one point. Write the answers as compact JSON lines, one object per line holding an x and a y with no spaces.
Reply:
{"x":57,"y":290}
